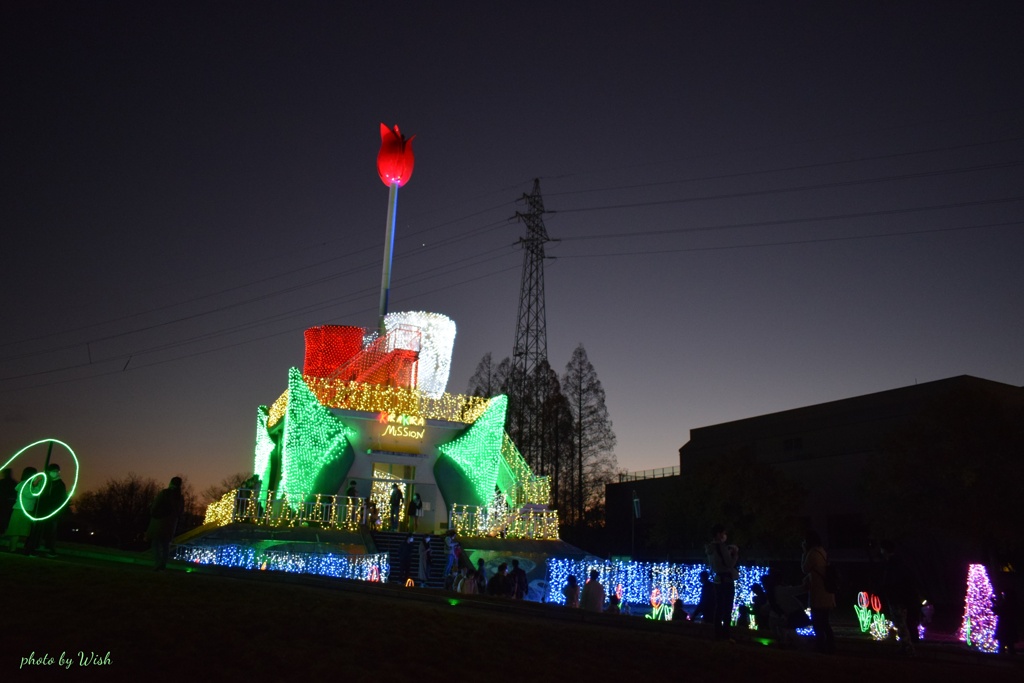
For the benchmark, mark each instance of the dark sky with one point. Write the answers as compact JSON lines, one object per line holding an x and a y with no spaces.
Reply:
{"x":759,"y":206}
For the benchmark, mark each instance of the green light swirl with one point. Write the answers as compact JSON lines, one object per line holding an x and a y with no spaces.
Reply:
{"x":45,"y":480}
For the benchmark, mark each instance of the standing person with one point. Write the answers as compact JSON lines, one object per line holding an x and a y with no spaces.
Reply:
{"x":426,"y":555}
{"x":396,"y":506}
{"x":481,"y":577}
{"x":469,"y":585}
{"x":20,"y":525}
{"x":593,"y":595}
{"x":722,"y":559}
{"x":520,"y":585}
{"x":405,"y":558}
{"x":571,"y":591}
{"x":351,"y":491}
{"x":364,"y":513}
{"x":705,"y":609}
{"x":499,"y":585}
{"x":819,"y":599}
{"x":901,"y":596}
{"x":168,"y":506}
{"x":451,"y":549}
{"x":7,"y":492}
{"x":1005,"y":608}
{"x":414,"y":511}
{"x":373,"y":514}
{"x":51,"y":498}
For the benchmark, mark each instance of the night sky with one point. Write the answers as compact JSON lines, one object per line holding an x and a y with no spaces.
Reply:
{"x":758,"y":206}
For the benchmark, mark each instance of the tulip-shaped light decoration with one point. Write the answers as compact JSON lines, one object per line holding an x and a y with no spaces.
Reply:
{"x":394,"y":165}
{"x":394,"y":160}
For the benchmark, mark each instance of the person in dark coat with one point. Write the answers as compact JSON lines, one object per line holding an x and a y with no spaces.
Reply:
{"x":499,"y":584}
{"x":168,"y":506}
{"x":51,"y":500}
{"x":814,"y":565}
{"x":1006,"y":608}
{"x":901,"y":595}
{"x":426,"y":559}
{"x":405,"y":557}
{"x":722,"y":558}
{"x":7,"y":493}
{"x":481,"y":577}
{"x":396,"y":506}
{"x":705,"y":609}
{"x":20,"y":525}
{"x":518,"y":580}
{"x":413,"y":512}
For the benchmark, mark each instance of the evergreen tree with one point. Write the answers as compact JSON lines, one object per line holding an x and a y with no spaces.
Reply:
{"x":593,"y":440}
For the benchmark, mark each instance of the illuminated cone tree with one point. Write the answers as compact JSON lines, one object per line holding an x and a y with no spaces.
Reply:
{"x":979,"y":625}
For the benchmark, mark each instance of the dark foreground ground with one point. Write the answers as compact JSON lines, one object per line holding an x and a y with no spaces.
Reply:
{"x":208,"y":625}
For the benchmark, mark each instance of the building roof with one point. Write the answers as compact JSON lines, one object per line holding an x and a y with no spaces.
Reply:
{"x":868,"y":413}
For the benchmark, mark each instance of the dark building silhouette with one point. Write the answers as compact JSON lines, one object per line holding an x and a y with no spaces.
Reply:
{"x":825,"y":447}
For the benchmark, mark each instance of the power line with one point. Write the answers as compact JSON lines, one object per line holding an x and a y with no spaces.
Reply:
{"x":785,"y":169}
{"x":798,"y":188}
{"x":409,"y":280}
{"x":795,"y":221}
{"x":813,"y":240}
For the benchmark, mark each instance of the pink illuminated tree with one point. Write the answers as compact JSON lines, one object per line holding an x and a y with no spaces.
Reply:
{"x":979,"y":624}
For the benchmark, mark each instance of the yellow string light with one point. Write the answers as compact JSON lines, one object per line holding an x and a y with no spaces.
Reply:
{"x":377,"y":398}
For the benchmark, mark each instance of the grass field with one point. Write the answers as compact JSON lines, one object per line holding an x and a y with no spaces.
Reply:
{"x":208,"y":625}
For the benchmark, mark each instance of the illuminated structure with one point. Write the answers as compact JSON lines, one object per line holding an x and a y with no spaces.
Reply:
{"x":870,"y":616}
{"x":978,"y":628}
{"x":366,"y":414}
{"x":372,"y":409}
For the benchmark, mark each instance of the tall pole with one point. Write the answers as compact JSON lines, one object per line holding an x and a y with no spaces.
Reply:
{"x":389,"y":250}
{"x":394,"y":166}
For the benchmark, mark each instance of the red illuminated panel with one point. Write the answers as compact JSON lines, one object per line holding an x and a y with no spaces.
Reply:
{"x":330,"y":346}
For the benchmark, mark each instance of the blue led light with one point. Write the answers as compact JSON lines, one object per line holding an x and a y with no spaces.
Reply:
{"x":638,"y":580}
{"x":357,"y":567}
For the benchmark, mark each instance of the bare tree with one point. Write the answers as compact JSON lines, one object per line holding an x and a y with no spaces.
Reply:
{"x":489,"y":379}
{"x":195,"y":510}
{"x":214,"y":493}
{"x":592,"y":437}
{"x":119,"y":511}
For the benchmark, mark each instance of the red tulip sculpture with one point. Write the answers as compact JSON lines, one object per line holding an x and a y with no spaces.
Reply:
{"x":394,"y":166}
{"x":395,"y":159}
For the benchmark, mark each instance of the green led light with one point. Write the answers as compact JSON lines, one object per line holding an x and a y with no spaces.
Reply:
{"x":45,"y":479}
{"x":264,"y":448}
{"x":313,"y":438}
{"x":477,"y":452}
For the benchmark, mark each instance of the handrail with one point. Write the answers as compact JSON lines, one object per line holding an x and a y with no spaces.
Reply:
{"x":248,"y":506}
{"x":480,"y":521}
{"x":650,"y":474}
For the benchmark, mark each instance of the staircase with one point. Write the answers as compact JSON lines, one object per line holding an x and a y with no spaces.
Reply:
{"x":391,"y":542}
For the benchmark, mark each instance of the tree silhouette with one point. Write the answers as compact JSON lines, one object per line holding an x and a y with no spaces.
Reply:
{"x":118,"y":512}
{"x":592,"y":437}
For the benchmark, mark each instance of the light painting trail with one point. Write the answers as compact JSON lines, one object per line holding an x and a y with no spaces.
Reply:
{"x":45,"y":480}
